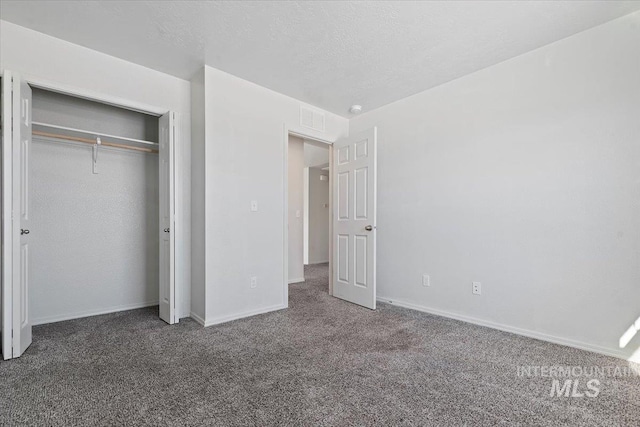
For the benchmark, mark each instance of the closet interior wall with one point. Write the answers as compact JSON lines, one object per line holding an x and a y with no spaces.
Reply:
{"x":94,"y":237}
{"x":1,"y":199}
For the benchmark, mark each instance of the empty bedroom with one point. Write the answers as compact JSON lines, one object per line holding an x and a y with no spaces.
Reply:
{"x":354,"y":213}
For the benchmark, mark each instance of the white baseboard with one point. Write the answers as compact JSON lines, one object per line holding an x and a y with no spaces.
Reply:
{"x":512,"y":329}
{"x":224,"y":319}
{"x":197,"y":318}
{"x":299,"y":280}
{"x":89,"y":313}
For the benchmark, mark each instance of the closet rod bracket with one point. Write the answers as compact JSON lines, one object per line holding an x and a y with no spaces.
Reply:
{"x":95,"y":154}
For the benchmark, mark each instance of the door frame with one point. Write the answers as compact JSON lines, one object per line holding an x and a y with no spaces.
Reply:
{"x":157,"y":111}
{"x":304,"y":134}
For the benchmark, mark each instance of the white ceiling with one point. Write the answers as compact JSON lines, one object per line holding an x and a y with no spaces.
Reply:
{"x":329,"y":54}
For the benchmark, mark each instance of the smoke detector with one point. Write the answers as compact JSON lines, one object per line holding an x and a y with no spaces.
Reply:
{"x":355,"y":109}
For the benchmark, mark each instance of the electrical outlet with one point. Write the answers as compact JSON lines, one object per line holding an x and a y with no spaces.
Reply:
{"x":254,"y":206}
{"x":254,"y":282}
{"x":426,"y":280}
{"x":476,"y":288}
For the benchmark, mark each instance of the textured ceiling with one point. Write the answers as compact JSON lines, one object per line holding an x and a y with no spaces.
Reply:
{"x":329,"y":54}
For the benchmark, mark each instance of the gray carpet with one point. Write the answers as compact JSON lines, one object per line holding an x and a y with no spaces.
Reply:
{"x":321,"y":362}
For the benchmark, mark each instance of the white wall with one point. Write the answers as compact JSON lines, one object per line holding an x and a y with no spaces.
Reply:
{"x":305,"y":216}
{"x":70,"y":111}
{"x":318,"y":216}
{"x":524,"y":176}
{"x":316,"y":154}
{"x":245,"y":158}
{"x":95,"y":242}
{"x":1,"y":239}
{"x":198,"y":197}
{"x":36,"y":55}
{"x":296,"y":209}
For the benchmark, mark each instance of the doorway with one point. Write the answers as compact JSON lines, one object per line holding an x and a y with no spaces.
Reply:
{"x":308,"y":206}
{"x":352,"y":175}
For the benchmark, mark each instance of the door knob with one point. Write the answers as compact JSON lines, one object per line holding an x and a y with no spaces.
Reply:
{"x":22,"y":231}
{"x":368,"y":228}
{"x":166,"y":230}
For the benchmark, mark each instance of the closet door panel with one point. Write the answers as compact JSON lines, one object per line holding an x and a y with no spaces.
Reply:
{"x":21,"y":215}
{"x":7,"y":300}
{"x":167,"y":231}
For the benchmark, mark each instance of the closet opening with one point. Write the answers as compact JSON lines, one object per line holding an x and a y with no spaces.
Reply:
{"x":92,"y":196}
{"x":94,"y":183}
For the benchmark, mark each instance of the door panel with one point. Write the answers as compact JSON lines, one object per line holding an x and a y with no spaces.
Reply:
{"x":167,"y":231}
{"x":361,"y":188}
{"x":24,"y":281}
{"x":354,"y":219}
{"x":343,"y":196}
{"x":343,"y":258}
{"x":361,"y":261}
{"x":21,"y":214}
{"x":7,"y":226}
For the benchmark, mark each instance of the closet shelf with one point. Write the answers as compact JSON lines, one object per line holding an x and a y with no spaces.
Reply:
{"x":89,"y":137}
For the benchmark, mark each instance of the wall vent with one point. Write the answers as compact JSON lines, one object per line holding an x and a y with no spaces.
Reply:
{"x":311,"y":119}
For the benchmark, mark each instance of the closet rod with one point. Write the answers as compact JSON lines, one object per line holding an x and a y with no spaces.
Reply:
{"x":66,"y":130}
{"x":92,"y":141}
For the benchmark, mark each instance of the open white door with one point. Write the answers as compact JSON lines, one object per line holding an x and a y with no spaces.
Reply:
{"x":354,"y":219}
{"x":21,"y":207}
{"x":167,"y":232}
{"x":7,"y":245}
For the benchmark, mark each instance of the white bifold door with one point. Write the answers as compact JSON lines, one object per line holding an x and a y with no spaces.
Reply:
{"x":354,"y":219}
{"x":167,"y":222}
{"x":7,"y":292}
{"x":16,"y":211}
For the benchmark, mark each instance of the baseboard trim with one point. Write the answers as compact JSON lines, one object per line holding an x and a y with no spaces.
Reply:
{"x":91,"y":313}
{"x":197,"y":318}
{"x":225,"y":319}
{"x":299,"y":280}
{"x":512,"y":329}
